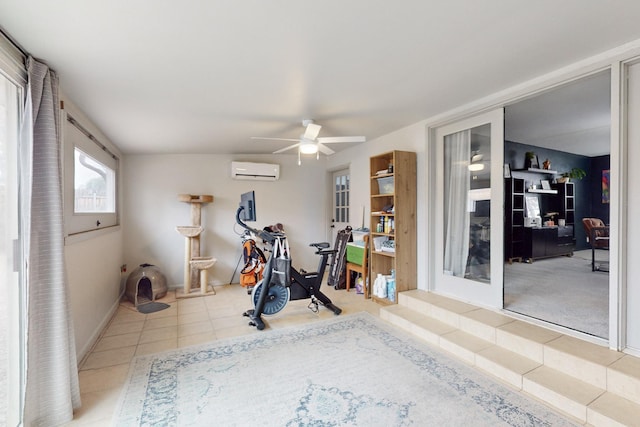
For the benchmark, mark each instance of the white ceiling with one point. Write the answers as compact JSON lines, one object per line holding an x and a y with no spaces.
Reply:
{"x":575,"y":117}
{"x":160,"y":76}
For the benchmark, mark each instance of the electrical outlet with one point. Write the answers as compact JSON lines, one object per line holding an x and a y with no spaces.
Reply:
{"x":123,"y":268}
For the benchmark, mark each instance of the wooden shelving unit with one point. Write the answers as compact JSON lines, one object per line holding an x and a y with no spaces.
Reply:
{"x":397,"y":181}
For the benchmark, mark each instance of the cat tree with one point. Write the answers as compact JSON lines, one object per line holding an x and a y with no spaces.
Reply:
{"x":195,"y":266}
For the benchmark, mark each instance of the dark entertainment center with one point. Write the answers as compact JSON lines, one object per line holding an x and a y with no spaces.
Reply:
{"x":525,"y":241}
{"x":571,"y":200}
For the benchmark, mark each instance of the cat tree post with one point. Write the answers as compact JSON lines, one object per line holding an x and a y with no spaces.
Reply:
{"x":192,"y":273}
{"x":189,"y":232}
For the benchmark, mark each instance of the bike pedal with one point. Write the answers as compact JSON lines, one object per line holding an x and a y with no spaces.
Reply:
{"x":313,"y":306}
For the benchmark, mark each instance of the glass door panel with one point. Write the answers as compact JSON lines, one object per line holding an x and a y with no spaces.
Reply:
{"x":469,"y":168}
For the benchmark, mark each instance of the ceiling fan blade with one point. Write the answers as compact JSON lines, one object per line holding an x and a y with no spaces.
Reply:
{"x":338,"y":139}
{"x":282,"y":150}
{"x":325,"y":150}
{"x":312,"y":131}
{"x":274,"y":139}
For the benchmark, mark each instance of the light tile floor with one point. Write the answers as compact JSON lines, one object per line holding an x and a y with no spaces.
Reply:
{"x":187,"y":322}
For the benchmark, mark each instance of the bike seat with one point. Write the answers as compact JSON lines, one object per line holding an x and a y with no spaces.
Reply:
{"x":321,"y":245}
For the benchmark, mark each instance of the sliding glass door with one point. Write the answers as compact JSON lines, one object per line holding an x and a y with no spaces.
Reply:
{"x":10,"y":336}
{"x":469,"y":218}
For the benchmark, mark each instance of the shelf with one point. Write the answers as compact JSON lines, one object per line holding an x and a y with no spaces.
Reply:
{"x":541,"y":191}
{"x":389,"y":254}
{"x":377,"y":233}
{"x":535,"y":170}
{"x":401,"y":184}
{"x":383,"y":301}
{"x":382,"y":175}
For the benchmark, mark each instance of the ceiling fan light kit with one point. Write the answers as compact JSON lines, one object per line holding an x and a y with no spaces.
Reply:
{"x":309,"y":143}
{"x":308,"y":147}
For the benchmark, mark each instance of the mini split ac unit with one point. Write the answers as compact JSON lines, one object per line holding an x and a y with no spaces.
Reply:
{"x":255,"y":171}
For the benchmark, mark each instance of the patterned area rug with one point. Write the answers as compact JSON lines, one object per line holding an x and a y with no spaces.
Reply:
{"x":348,"y":371}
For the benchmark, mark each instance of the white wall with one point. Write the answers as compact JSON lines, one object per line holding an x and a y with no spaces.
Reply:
{"x":152,"y":210}
{"x":93,"y":263}
{"x":93,"y":273}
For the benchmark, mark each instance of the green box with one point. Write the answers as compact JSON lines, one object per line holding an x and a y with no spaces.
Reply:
{"x":354,"y":253}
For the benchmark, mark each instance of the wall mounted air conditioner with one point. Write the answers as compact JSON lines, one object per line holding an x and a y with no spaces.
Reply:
{"x":255,"y":171}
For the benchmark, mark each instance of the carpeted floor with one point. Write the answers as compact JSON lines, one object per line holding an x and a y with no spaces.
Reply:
{"x":560,"y":290}
{"x":347,"y":371}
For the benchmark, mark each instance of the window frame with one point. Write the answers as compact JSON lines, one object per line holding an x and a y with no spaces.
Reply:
{"x":77,"y":132}
{"x":13,"y":69}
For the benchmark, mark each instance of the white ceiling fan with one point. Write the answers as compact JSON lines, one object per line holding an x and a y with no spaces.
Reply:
{"x":309,"y":143}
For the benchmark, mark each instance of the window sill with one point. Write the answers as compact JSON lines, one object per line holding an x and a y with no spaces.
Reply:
{"x":88,"y":235}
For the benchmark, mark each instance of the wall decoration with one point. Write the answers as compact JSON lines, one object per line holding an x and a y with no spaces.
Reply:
{"x":605,"y":186}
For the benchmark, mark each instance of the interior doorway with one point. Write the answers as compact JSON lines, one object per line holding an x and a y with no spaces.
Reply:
{"x":341,"y":211}
{"x":548,"y":269}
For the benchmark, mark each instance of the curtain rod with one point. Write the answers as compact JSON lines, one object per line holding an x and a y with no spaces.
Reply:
{"x":15,"y":44}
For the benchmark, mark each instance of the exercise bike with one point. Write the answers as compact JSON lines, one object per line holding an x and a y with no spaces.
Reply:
{"x":303,"y":285}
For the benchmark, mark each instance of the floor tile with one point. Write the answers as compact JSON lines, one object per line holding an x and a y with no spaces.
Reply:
{"x":92,"y":380}
{"x":198,"y":316}
{"x":160,"y":322}
{"x":158,"y":334}
{"x":102,"y":359}
{"x":195,"y":339}
{"x":157,"y":346}
{"x":97,"y":408}
{"x":194,"y":328}
{"x":124,"y":328}
{"x":190,"y":305}
{"x":117,"y":341}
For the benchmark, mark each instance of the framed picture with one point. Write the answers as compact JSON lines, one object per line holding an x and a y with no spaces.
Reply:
{"x":507,"y":170}
{"x":605,"y":186}
{"x":545,"y":184}
{"x":532,"y":162}
{"x":533,"y":206}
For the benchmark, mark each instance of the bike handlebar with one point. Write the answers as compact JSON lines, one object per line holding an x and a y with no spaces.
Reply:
{"x":263,"y":234}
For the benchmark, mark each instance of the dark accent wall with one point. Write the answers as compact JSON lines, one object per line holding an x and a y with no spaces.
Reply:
{"x":588,"y":190}
{"x":598,"y":208}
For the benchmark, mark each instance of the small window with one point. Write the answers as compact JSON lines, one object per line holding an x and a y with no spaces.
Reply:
{"x":94,"y":185}
{"x":91,"y":181}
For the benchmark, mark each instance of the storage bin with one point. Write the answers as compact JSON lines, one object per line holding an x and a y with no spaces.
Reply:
{"x":377,"y":242}
{"x":358,"y":236}
{"x":355,"y":253}
{"x":385,"y":185}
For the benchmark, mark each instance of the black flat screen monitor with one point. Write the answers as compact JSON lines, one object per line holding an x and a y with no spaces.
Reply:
{"x":248,"y":203}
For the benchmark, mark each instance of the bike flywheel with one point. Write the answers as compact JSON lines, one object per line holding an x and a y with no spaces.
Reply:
{"x":277,"y":298}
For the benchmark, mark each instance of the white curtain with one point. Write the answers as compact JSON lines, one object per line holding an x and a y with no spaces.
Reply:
{"x":457,"y":186}
{"x":52,"y":391}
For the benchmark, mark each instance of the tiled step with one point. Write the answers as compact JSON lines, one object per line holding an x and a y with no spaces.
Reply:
{"x":582,"y":379}
{"x":562,"y":391}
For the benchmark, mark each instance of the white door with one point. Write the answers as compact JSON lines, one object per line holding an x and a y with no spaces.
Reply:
{"x":469,"y":209}
{"x":341,"y":185}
